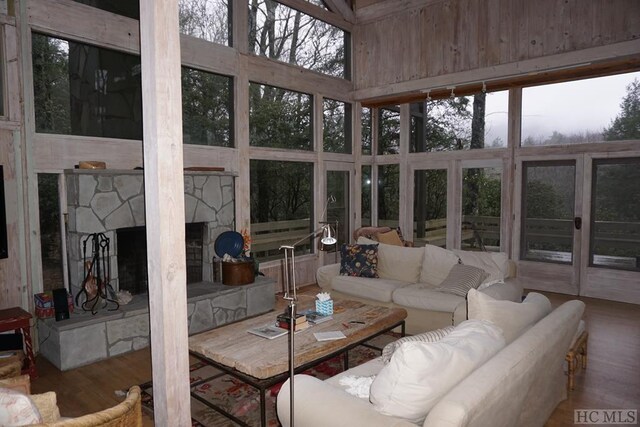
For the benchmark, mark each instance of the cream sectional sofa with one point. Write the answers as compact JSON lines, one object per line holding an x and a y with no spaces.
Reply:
{"x":409,"y":278}
{"x":520,"y":385}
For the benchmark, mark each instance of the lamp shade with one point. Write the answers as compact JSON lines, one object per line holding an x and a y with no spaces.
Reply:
{"x":327,"y":238}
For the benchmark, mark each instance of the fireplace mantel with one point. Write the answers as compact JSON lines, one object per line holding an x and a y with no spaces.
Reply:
{"x":105,"y":200}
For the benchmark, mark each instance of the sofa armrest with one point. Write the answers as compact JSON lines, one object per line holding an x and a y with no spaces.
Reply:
{"x":325,"y":274}
{"x":318,"y":404}
{"x":510,"y":290}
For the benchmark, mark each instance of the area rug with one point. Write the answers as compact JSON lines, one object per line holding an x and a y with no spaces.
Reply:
{"x":242,"y":400}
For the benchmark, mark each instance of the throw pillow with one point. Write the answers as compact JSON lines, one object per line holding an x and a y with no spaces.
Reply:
{"x":21,"y":383}
{"x":389,"y":238}
{"x":436,"y":265}
{"x":397,"y":262}
{"x":359,"y":260}
{"x":512,"y":317}
{"x":16,"y":409}
{"x":496,"y":264}
{"x":431,"y":336}
{"x":420,"y":373}
{"x":461,"y":278}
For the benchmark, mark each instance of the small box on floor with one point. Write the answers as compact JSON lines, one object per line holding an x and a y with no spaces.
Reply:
{"x":44,"y":304}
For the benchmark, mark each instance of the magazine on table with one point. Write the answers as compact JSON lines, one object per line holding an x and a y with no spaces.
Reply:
{"x":268,"y":331}
{"x":315,"y":317}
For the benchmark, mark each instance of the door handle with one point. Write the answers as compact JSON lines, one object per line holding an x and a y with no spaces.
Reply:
{"x":577,"y":221}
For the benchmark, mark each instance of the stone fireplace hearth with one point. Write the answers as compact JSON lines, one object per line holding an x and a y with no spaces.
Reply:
{"x":104,"y":201}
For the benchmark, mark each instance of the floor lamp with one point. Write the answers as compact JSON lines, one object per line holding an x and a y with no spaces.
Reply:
{"x":290,"y":294}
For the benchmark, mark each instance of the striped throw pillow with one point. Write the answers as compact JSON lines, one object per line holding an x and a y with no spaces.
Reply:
{"x":461,"y":278}
{"x":431,"y":336}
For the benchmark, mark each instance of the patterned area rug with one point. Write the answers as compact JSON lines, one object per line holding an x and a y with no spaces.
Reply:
{"x":242,"y":400}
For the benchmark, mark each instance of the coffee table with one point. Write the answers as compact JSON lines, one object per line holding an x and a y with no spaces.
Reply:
{"x":263,"y":363}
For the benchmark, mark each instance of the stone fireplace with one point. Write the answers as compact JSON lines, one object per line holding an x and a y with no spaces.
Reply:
{"x":106,"y":201}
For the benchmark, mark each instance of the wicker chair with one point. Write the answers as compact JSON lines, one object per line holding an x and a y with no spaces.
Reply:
{"x":10,"y":370}
{"x":125,"y":414}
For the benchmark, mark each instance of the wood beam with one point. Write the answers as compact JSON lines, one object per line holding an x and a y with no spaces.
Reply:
{"x":320,"y":13}
{"x":388,"y":8}
{"x":341,"y":8}
{"x":164,"y":206}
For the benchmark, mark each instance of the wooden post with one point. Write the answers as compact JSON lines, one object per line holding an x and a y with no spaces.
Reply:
{"x":164,"y":203}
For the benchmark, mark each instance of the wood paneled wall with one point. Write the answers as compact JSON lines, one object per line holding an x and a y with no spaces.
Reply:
{"x":450,"y":36}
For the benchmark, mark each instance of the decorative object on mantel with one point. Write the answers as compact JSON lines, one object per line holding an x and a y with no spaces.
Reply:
{"x":95,"y":285}
{"x":204,"y":169}
{"x":91,"y":164}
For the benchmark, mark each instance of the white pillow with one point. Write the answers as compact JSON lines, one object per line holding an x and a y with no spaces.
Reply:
{"x":420,"y":373}
{"x":437,"y":264}
{"x":397,"y":262}
{"x":512,"y":317}
{"x":16,"y":409}
{"x":429,"y":336}
{"x":495,"y":264}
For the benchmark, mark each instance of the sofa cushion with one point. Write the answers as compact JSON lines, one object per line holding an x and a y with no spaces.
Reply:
{"x":419,"y":374}
{"x":436,"y":264}
{"x":359,"y":260}
{"x":512,"y":317}
{"x":430,"y":336}
{"x":422,"y":296}
{"x":397,"y":262}
{"x":389,"y":238}
{"x":362,"y":287}
{"x":461,"y":278}
{"x":496,"y":264}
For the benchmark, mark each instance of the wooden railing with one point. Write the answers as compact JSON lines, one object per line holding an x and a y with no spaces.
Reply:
{"x":269,"y":236}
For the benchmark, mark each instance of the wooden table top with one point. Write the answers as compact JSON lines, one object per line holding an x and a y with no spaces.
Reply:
{"x":262,"y":358}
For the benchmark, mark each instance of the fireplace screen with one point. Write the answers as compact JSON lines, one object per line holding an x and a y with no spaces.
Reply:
{"x":132,"y":256}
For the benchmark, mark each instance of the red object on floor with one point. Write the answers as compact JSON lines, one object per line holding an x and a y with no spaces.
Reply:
{"x":18,"y":320}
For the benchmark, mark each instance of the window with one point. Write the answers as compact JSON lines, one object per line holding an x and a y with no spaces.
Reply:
{"x":205,"y":19}
{"x":50,"y":237}
{"x":389,"y":130}
{"x":366,"y":196}
{"x":280,"y":118}
{"x":130,"y":8}
{"x":461,"y":123}
{"x":548,"y":200}
{"x":584,"y":111}
{"x":281,"y":206}
{"x":338,"y":212}
{"x":430,"y":207}
{"x":481,"y":194}
{"x":615,"y":214}
{"x":366,"y":130}
{"x":207,"y":108}
{"x":85,"y":90}
{"x":388,"y":195}
{"x":337,"y":126}
{"x":288,"y":35}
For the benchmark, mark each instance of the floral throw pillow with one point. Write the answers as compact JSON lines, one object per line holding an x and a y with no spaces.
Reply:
{"x":359,"y":260}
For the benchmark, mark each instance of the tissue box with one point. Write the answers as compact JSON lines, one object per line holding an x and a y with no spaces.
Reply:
{"x":44,"y":304}
{"x":324,"y":307}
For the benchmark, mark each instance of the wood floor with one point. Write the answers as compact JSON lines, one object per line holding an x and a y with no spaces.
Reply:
{"x":611,"y":381}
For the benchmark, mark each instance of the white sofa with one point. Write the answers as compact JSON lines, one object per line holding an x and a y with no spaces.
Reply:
{"x":519,"y":386}
{"x":409,"y":276}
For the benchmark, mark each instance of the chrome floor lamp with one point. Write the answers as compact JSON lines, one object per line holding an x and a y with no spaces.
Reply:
{"x":290,"y":294}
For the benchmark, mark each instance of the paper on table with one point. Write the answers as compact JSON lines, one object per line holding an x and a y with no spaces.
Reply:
{"x":328,"y":336}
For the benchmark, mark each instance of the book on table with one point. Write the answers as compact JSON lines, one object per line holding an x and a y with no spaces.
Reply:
{"x":329,"y":335}
{"x":315,"y":317}
{"x":268,"y":331}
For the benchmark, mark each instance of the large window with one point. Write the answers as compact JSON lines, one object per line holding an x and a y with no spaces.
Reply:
{"x":206,"y":19}
{"x":460,"y":123}
{"x":389,"y":130}
{"x":583,"y":111}
{"x":280,"y":118}
{"x":430,"y":207}
{"x":50,"y":237}
{"x":366,"y":196}
{"x":85,"y":90}
{"x":366,"y":130}
{"x":281,"y":206}
{"x":337,"y":126}
{"x":288,"y":35}
{"x":481,"y":194}
{"x":615,"y":214}
{"x":207,"y":108}
{"x":388,"y":195}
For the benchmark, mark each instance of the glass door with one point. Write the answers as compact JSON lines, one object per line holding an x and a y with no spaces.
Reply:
{"x":338,"y":211}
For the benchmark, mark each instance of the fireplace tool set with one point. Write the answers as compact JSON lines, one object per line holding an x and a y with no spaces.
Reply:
{"x":95,"y":286}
